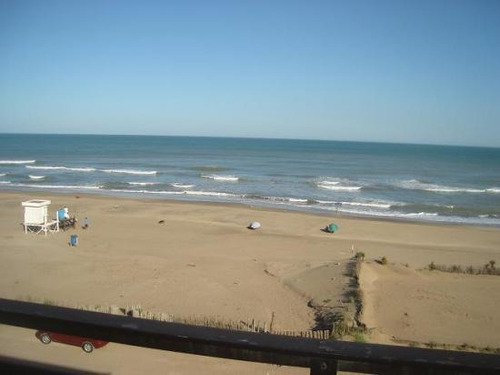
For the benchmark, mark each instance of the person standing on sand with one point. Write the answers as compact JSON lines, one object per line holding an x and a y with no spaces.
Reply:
{"x":86,"y":223}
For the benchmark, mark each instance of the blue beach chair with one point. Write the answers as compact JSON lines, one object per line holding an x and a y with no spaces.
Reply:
{"x":65,"y":222}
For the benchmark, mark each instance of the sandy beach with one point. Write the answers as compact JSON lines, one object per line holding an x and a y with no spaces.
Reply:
{"x":200,"y":260}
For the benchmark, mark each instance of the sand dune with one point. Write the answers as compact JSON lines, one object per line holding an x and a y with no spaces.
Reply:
{"x":432,"y":306}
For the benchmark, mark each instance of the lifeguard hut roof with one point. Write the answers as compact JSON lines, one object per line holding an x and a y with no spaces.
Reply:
{"x":36,"y":203}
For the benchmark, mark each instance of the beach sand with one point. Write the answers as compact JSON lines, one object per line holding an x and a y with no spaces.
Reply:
{"x":199,"y":260}
{"x":431,"y":307}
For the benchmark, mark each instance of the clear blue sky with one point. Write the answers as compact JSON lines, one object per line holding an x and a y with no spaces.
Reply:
{"x":394,"y":71}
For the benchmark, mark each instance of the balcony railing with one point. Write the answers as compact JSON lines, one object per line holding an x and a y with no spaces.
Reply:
{"x":320,"y":356}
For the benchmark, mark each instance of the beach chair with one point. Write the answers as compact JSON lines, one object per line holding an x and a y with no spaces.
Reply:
{"x":65,"y":222}
{"x":36,"y":218}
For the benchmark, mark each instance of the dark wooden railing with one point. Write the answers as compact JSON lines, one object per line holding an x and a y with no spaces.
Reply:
{"x":320,"y":356}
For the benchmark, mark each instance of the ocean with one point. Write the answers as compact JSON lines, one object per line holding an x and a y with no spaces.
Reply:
{"x":398,"y":181}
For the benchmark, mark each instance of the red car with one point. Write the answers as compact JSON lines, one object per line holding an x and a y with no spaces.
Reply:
{"x":86,"y":344}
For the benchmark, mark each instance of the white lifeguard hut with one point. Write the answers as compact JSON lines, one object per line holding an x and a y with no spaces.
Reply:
{"x":36,"y":217}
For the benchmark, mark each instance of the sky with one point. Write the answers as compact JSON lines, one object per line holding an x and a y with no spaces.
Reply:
{"x":424,"y":71}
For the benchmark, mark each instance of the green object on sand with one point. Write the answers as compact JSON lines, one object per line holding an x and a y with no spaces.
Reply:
{"x":332,"y":228}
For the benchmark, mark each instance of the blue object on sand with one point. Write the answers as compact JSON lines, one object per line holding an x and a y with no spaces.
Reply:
{"x":60,"y":214}
{"x":73,"y":240}
{"x":332,"y":228}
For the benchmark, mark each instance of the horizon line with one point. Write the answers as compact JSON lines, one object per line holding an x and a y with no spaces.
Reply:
{"x":254,"y":138}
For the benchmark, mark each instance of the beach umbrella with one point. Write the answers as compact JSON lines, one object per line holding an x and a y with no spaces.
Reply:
{"x":254,"y":225}
{"x":332,"y":228}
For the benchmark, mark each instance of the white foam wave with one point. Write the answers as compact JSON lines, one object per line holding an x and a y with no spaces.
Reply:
{"x":145,"y":191}
{"x":422,"y":214}
{"x":162,"y":192}
{"x":220,"y":177}
{"x":17,"y":161}
{"x":444,"y":189}
{"x":327,"y":182}
{"x":33,"y":177}
{"x":5,"y":182}
{"x":418,"y":185}
{"x":128,"y":171}
{"x":339,"y":188}
{"x":48,"y":168}
{"x":82,"y":169}
{"x":357,"y":204}
{"x":297,"y":200}
{"x":280,"y":200}
{"x":62,"y":187}
{"x":209,"y":193}
{"x":392,"y":214}
{"x":181,"y":186}
{"x":143,"y":183}
{"x":3,"y":174}
{"x":373,"y":205}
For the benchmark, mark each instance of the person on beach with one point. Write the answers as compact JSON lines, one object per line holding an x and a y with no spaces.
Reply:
{"x":86,"y":223}
{"x":66,"y":212}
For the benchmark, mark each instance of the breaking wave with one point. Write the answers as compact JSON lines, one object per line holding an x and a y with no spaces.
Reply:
{"x":298,"y":200}
{"x":17,"y":161}
{"x":60,"y":187}
{"x":178,"y":185}
{"x":221,"y":177}
{"x":129,"y":171}
{"x":422,"y":214}
{"x":164,"y":192}
{"x":327,"y":182}
{"x":143,"y":183}
{"x":424,"y":186}
{"x":48,"y":168}
{"x":337,"y":185}
{"x":339,"y":188}
{"x":358,"y":204}
{"x":89,"y":169}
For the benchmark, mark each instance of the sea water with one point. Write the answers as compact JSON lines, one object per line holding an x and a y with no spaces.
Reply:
{"x":398,"y":181}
